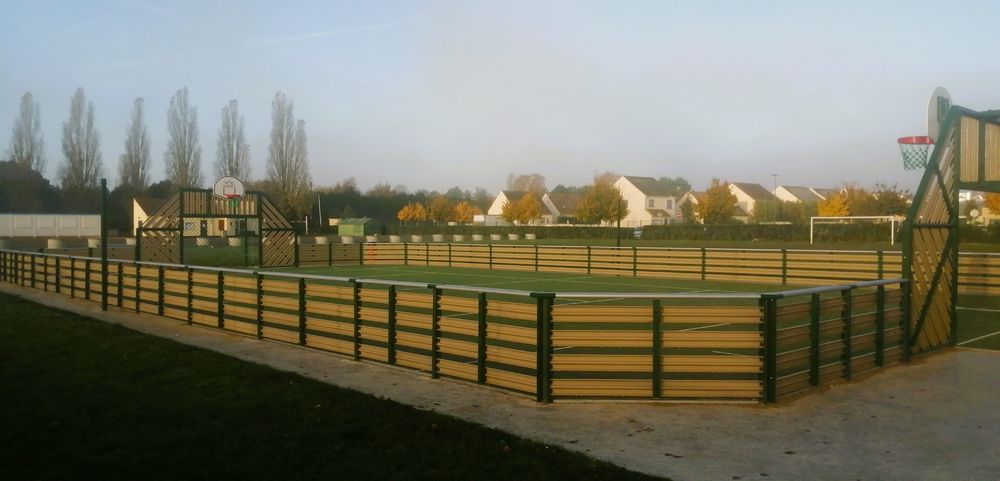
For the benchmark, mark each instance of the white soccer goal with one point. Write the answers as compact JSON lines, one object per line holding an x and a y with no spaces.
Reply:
{"x":850,"y":220}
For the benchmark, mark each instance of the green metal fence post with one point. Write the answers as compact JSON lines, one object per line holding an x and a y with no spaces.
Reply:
{"x":435,"y":330}
{"x":391,"y":355}
{"x":784,"y":266}
{"x":905,"y":301}
{"x":161,"y":284}
{"x":86,"y":281}
{"x":221,"y":294}
{"x":406,"y":254}
{"x":588,"y":260}
{"x":356,"y":317}
{"x":814,"y":306}
{"x":536,"y":257}
{"x":881,"y":265}
{"x":260,"y":305}
{"x":190,"y":296}
{"x":449,"y":254}
{"x":880,"y":326}
{"x":361,"y":253}
{"x":657,"y":349}
{"x":58,"y":279}
{"x":3,"y":266}
{"x":33,"y":271}
{"x":45,"y":272}
{"x":121,"y":280}
{"x":302,"y":311}
{"x":481,"y":340}
{"x":138,"y":287}
{"x":543,"y":346}
{"x":491,"y":255}
{"x":329,"y":254}
{"x":704,"y":263}
{"x":769,"y":303}
{"x":72,"y":278}
{"x":847,"y":334}
{"x":427,"y":253}
{"x":104,"y":244}
{"x":635,"y":262}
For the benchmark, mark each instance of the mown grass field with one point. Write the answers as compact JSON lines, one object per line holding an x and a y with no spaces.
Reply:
{"x":83,"y":399}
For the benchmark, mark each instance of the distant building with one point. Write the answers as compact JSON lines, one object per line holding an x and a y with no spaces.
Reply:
{"x":748,"y":195}
{"x":142,"y":208}
{"x":791,"y":193}
{"x":560,"y":207}
{"x":695,"y":198}
{"x":505,"y":196}
{"x":824,"y":193}
{"x":648,"y":201}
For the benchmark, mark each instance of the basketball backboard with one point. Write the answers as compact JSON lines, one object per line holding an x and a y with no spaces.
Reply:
{"x":229,"y":188}
{"x":937,"y":109}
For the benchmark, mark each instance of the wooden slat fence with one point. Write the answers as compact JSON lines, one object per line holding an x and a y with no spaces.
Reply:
{"x":680,"y":347}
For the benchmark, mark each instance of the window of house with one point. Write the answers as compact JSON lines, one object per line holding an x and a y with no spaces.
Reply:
{"x":651,"y":203}
{"x":670,"y":203}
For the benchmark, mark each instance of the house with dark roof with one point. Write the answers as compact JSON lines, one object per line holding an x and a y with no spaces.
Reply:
{"x":792,"y":193}
{"x":648,"y":201}
{"x":824,"y":193}
{"x":748,"y":195}
{"x":695,"y":198}
{"x":560,"y":206}
{"x":142,"y":208}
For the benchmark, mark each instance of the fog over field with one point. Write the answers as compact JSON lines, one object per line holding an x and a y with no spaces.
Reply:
{"x":441,"y":93}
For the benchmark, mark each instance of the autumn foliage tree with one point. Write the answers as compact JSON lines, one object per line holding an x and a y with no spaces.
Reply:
{"x":603,"y":203}
{"x":992,"y":202}
{"x":719,"y":205}
{"x":440,"y":210}
{"x":464,"y":212}
{"x":833,"y":206}
{"x":523,"y":210}
{"x":412,"y":212}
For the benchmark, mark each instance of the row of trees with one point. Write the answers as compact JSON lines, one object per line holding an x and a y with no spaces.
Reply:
{"x":287,"y":164}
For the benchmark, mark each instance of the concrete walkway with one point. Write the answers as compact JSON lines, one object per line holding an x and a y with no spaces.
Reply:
{"x":935,"y":419}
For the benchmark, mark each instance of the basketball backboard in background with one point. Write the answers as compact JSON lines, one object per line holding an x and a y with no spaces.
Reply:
{"x":937,"y":109}
{"x":229,"y":188}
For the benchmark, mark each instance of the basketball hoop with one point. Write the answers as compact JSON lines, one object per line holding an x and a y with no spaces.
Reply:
{"x":916,"y":151}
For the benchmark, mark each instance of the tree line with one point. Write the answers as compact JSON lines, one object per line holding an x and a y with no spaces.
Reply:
{"x":287,"y":178}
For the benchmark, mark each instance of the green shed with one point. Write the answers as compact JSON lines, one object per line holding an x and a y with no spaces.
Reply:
{"x":360,"y":226}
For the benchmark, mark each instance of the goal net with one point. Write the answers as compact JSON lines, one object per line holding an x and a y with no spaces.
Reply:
{"x":873,"y":220}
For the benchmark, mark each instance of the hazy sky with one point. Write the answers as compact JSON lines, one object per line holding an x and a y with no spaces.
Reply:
{"x":435,"y":94}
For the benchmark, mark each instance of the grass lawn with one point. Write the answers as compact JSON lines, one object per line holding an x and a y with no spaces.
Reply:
{"x":83,"y":399}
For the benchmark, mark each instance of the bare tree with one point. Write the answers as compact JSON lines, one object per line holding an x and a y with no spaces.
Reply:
{"x":233,"y":155}
{"x":287,"y":162}
{"x":133,"y":166}
{"x":526,"y":183}
{"x":81,"y":143}
{"x":27,"y":146}
{"x":183,"y":156}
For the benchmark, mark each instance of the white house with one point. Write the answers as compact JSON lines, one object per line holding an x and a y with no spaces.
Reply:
{"x":560,"y":206}
{"x":747,"y":195}
{"x":142,"y":208}
{"x":792,"y":193}
{"x":505,"y":196}
{"x":648,"y":201}
{"x":695,"y":198}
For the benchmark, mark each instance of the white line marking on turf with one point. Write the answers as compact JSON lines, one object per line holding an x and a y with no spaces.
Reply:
{"x":705,"y":327}
{"x":977,"y":309}
{"x":978,"y":338}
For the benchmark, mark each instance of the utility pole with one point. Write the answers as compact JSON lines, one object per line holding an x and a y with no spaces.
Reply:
{"x":104,"y":245}
{"x":618,"y":230}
